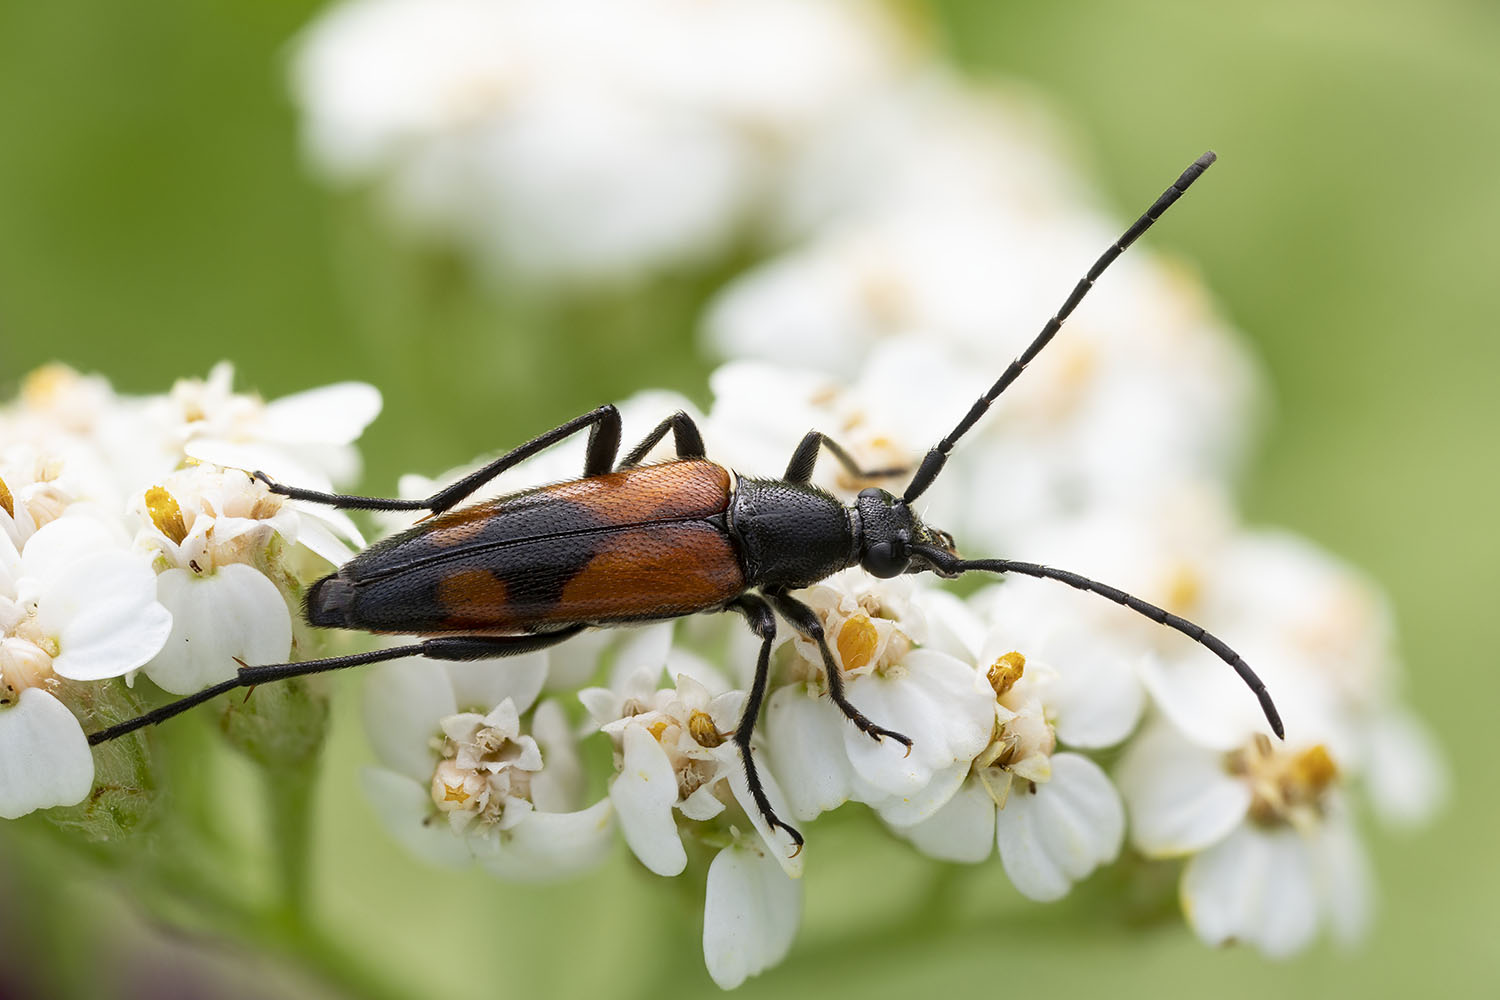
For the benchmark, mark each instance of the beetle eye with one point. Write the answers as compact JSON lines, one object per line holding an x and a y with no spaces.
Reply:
{"x":883,"y":559}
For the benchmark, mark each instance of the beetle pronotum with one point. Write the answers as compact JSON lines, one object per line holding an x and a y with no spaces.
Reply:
{"x":628,"y":542}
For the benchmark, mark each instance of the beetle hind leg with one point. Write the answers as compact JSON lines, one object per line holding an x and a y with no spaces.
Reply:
{"x":686,"y":437}
{"x":805,"y":621}
{"x":762,"y":621}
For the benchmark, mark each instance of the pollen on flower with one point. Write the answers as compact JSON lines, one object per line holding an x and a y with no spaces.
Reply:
{"x":1286,"y":787}
{"x":701,"y":726}
{"x":1005,"y":671}
{"x":458,"y":789}
{"x":657,"y":729}
{"x":166,"y":514}
{"x":857,"y":641}
{"x":6,"y":500}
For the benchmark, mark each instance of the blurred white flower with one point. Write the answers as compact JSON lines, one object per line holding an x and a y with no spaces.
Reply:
{"x":942,"y":143}
{"x":579,"y":138}
{"x":464,"y":780}
{"x":1274,"y":853}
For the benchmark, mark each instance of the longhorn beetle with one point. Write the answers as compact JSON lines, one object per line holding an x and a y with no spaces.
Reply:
{"x":629,"y":543}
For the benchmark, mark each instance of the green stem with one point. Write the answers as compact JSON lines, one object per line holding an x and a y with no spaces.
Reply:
{"x":290,"y":791}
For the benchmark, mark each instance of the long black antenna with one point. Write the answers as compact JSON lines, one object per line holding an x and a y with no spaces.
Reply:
{"x":951,"y":565}
{"x":933,"y":463}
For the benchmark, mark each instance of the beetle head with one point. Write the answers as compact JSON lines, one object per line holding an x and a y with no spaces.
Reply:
{"x":888,"y":530}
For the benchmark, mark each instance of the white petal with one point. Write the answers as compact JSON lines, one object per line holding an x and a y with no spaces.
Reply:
{"x":575,"y":662}
{"x":643,"y":795}
{"x":103,"y":611}
{"x":278,"y":463}
{"x":779,"y":843}
{"x":962,"y":830}
{"x":560,"y":783}
{"x":1180,"y":797}
{"x":952,"y":626}
{"x":1347,"y":886}
{"x":331,"y":414}
{"x":934,"y":701}
{"x":805,"y":747}
{"x":234,"y":612}
{"x":905,"y":810}
{"x":1404,"y":769}
{"x":316,"y":536}
{"x":405,"y":810}
{"x":1097,"y":697}
{"x":644,"y":647}
{"x":1255,"y":886}
{"x":44,"y":756}
{"x":60,"y":543}
{"x":1055,"y":836}
{"x":702,"y":804}
{"x":750,"y":915}
{"x":480,"y":685}
{"x":1205,"y":700}
{"x":547,"y":846}
{"x":404,"y":702}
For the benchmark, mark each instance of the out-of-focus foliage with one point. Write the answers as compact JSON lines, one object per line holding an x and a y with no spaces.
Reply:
{"x":156,"y":219}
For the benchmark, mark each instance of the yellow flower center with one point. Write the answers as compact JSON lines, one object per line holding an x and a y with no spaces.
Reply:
{"x":1284,"y":786}
{"x":6,"y":500}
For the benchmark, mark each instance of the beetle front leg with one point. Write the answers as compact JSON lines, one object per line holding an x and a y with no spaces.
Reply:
{"x":762,"y":621}
{"x":804,"y":620}
{"x":805,"y":458}
{"x":685,"y":435}
{"x":604,"y":443}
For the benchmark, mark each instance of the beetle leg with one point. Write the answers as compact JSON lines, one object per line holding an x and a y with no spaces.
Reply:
{"x":762,"y":621}
{"x":804,"y":620}
{"x":458,"y":647}
{"x":604,"y":442}
{"x":800,"y":468}
{"x":685,"y":436}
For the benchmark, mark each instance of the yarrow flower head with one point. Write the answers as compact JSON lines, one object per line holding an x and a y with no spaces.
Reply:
{"x":476,"y":771}
{"x":121,"y":552}
{"x":681,"y":771}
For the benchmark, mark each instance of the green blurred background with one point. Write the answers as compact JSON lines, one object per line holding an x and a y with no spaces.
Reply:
{"x":155,"y":218}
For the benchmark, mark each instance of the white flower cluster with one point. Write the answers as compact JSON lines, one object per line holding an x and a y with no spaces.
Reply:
{"x":124,"y":548}
{"x":928,"y":230}
{"x":580,"y":139}
{"x":1041,"y":719}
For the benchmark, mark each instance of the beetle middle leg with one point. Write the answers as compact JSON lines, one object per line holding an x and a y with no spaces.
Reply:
{"x":804,"y":620}
{"x":604,"y":443}
{"x":762,"y":621}
{"x":805,"y":458}
{"x":455,"y":647}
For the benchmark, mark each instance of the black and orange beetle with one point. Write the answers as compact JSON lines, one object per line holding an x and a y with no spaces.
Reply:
{"x":632,"y":543}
